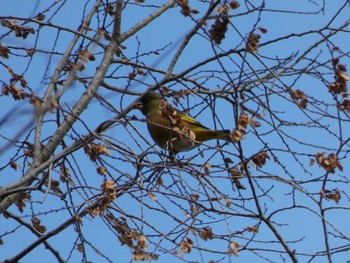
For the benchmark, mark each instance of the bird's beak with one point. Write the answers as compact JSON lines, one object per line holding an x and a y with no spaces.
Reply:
{"x":138,"y":105}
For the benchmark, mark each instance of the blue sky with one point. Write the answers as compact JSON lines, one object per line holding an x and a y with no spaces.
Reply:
{"x":298,"y":223}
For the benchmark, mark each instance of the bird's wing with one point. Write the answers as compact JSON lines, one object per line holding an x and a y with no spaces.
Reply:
{"x":190,"y":120}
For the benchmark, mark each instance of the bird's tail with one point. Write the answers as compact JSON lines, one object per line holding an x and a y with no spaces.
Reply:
{"x":223,"y":134}
{"x":213,"y":134}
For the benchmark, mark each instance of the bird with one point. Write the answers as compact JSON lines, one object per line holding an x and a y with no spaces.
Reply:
{"x":172,"y":129}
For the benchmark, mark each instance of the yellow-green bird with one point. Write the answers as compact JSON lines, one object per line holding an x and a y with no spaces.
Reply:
{"x":172,"y":129}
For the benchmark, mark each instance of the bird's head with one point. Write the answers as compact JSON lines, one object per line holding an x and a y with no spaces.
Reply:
{"x":150,"y":101}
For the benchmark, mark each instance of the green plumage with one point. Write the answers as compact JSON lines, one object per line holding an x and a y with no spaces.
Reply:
{"x":173,"y":129}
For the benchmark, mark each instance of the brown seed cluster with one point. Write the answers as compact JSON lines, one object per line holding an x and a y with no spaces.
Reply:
{"x":243,"y":121}
{"x":333,"y":195}
{"x":95,"y":150}
{"x":38,"y":226}
{"x":184,"y":133}
{"x":186,"y":245}
{"x":132,"y":238}
{"x":260,"y":159}
{"x":18,"y":29}
{"x":329,"y":163}
{"x":219,"y":28}
{"x":339,"y":86}
{"x":4,"y":52}
{"x":12,"y":88}
{"x":20,"y":203}
{"x":206,"y":233}
{"x":300,"y":98}
{"x":253,"y":42}
{"x":17,"y":94}
{"x":109,"y":196}
{"x":186,"y":9}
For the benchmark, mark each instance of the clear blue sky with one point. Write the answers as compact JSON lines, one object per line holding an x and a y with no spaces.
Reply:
{"x":172,"y":29}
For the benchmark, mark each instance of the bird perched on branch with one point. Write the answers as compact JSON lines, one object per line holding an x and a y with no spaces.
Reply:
{"x":172,"y":129}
